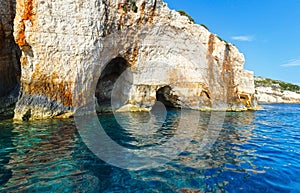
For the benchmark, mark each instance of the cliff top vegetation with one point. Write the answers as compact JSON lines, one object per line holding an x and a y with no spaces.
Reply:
{"x":283,"y":86}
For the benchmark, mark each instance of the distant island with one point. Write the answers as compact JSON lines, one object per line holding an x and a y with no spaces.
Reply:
{"x":276,"y":91}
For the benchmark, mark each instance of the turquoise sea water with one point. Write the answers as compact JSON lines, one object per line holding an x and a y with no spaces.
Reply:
{"x":253,"y":152}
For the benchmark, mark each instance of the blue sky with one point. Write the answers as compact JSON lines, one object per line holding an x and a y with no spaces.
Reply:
{"x":267,"y":32}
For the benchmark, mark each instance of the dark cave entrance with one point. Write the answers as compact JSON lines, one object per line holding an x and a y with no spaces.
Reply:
{"x":10,"y":68}
{"x":106,"y":82}
{"x":165,"y":95}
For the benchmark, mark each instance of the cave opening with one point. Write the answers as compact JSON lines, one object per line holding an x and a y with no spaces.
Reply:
{"x":166,"y":96}
{"x":106,"y":82}
{"x":10,"y":68}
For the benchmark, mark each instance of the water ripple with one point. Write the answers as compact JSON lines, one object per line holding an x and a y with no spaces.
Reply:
{"x":254,"y":152}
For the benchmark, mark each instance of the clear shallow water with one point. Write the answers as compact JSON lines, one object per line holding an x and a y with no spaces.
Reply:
{"x":254,"y":152}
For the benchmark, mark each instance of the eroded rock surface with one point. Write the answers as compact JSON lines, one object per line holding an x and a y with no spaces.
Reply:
{"x":271,"y":95}
{"x":67,"y":45}
{"x":9,"y":59}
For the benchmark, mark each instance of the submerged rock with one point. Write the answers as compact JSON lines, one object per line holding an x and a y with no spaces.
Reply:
{"x":77,"y":52}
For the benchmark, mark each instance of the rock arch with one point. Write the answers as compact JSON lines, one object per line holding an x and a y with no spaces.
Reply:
{"x":61,"y":65}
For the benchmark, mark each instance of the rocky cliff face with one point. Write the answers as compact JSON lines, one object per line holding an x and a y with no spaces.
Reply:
{"x":137,"y":52}
{"x":9,"y":57}
{"x":275,"y":91}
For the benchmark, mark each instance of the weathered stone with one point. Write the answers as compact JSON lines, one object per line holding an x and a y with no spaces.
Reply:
{"x":273,"y":91}
{"x":67,"y":44}
{"x":273,"y":95}
{"x":9,"y":59}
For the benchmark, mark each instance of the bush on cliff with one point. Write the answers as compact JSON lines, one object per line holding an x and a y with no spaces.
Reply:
{"x":283,"y":86}
{"x":183,"y":13}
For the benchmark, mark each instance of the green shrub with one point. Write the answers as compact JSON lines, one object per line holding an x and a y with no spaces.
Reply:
{"x":130,"y":5}
{"x":222,"y":39}
{"x":183,"y":13}
{"x":277,"y":83}
{"x":289,"y":86}
{"x":204,"y":26}
{"x":125,"y":9}
{"x":134,"y":8}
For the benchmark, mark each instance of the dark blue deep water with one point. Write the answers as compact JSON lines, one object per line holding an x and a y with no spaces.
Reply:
{"x":253,"y":152}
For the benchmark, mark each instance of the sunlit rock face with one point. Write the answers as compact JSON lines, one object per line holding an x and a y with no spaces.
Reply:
{"x":124,"y":55}
{"x":275,"y":95}
{"x":9,"y":57}
{"x":276,"y":91}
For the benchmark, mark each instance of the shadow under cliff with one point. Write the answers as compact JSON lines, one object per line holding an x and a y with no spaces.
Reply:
{"x":10,"y":69}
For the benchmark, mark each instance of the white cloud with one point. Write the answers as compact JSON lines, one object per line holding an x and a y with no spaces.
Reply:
{"x":243,"y":38}
{"x":291,"y":63}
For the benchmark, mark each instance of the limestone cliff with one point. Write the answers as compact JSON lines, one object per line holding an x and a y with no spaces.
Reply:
{"x":74,"y":51}
{"x":9,"y":58}
{"x":275,"y":91}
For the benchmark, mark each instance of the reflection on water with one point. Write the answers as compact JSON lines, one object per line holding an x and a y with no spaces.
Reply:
{"x":253,"y":152}
{"x":226,"y":150}
{"x":142,"y":129}
{"x":5,"y":149}
{"x":39,"y":157}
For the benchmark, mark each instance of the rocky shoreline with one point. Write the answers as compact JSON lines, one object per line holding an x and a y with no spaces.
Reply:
{"x":74,"y":53}
{"x":270,"y":91}
{"x":132,"y":53}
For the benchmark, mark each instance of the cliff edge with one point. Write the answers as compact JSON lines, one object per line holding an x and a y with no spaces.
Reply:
{"x":85,"y":53}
